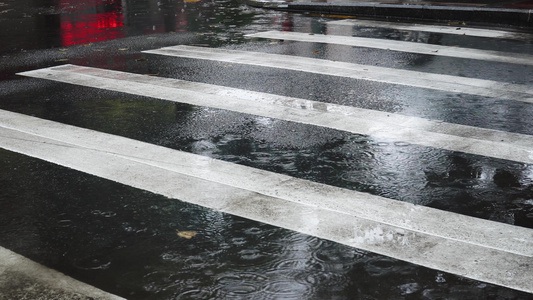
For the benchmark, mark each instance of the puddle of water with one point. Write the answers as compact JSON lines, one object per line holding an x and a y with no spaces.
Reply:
{"x":471,"y":185}
{"x":136,"y":253}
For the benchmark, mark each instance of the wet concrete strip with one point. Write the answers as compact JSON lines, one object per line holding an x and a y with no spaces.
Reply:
{"x":448,"y":83}
{"x":273,"y":184}
{"x":421,"y":11}
{"x":403,"y":46}
{"x":454,"y":137}
{"x":483,"y":250}
{"x":455,"y":29}
{"x":21,"y":278}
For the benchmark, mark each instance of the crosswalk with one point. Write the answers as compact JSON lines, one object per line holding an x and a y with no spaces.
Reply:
{"x":455,"y":29}
{"x":454,"y":137}
{"x":409,"y":47}
{"x":480,"y":249}
{"x":448,"y":83}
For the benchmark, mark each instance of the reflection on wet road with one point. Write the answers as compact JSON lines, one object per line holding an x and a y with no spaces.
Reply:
{"x":258,"y":107}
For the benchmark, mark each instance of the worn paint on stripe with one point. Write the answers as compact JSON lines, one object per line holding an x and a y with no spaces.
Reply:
{"x":455,"y":29}
{"x":411,"y":47}
{"x":483,"y":250}
{"x":454,"y":137}
{"x":448,"y":83}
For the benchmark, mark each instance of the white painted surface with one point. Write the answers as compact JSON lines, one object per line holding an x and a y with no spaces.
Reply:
{"x":410,"y":47}
{"x":483,"y":250}
{"x":40,"y":281}
{"x":382,"y":125}
{"x":448,"y":83}
{"x":455,"y":29}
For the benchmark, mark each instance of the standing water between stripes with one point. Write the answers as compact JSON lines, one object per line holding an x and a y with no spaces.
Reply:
{"x":357,"y":106}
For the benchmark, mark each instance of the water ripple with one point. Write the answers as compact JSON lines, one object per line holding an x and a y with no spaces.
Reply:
{"x":287,"y":289}
{"x":239,"y":284}
{"x":322,"y":279}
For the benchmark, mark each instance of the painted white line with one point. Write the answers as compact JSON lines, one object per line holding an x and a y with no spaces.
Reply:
{"x":452,"y":29}
{"x":483,"y":250}
{"x":411,"y":47}
{"x":467,"y":139}
{"x":21,"y":278}
{"x":487,"y":88}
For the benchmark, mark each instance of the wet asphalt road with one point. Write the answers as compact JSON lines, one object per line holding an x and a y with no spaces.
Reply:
{"x":123,"y":240}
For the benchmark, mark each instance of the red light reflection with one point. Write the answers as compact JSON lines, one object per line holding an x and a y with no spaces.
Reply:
{"x":90,"y":21}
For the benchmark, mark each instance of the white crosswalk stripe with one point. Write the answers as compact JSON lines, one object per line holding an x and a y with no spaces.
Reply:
{"x":487,"y":88}
{"x":492,"y":143}
{"x":484,"y":250}
{"x":455,"y":29}
{"x":411,"y":47}
{"x":489,"y":251}
{"x":19,"y":268}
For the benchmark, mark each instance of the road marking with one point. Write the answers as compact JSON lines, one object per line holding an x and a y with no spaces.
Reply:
{"x":452,"y":29}
{"x":381,"y":125}
{"x":448,"y":83}
{"x":20,"y":277}
{"x":411,"y":47}
{"x":479,"y":249}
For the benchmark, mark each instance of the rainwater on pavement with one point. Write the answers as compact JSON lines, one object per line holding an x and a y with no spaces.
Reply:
{"x":125,"y":241}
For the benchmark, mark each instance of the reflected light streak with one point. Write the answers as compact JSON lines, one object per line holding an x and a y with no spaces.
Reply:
{"x":87,"y":23}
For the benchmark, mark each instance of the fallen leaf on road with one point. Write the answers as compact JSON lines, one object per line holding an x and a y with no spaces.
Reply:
{"x":141,"y":59}
{"x":186,"y":234}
